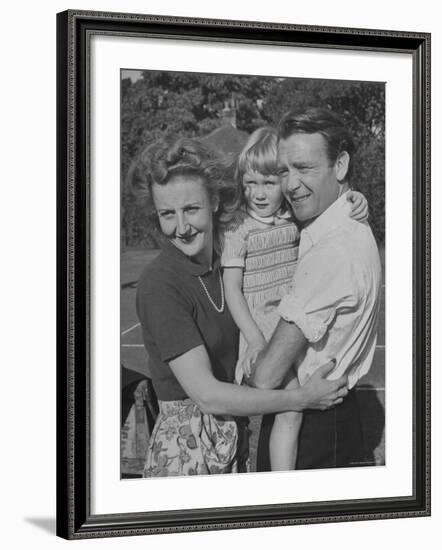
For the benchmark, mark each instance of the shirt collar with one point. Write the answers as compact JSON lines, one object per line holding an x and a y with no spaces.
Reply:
{"x":336,"y":215}
{"x":270,"y":220}
{"x":174,"y":255}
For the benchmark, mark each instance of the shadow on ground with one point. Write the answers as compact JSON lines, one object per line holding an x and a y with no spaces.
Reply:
{"x":46,"y":524}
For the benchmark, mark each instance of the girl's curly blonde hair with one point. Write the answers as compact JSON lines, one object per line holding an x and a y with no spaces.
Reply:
{"x":259,"y":154}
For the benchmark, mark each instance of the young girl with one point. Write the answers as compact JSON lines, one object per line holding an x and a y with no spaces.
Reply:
{"x":260,"y":250}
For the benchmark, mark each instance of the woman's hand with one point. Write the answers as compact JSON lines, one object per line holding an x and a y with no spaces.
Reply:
{"x":359,"y":206}
{"x":321,"y":393}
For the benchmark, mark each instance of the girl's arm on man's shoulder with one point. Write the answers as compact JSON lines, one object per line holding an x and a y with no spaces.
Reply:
{"x":359,"y":206}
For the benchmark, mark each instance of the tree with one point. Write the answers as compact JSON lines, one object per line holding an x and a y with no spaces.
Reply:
{"x":362,"y":107}
{"x":164,"y":104}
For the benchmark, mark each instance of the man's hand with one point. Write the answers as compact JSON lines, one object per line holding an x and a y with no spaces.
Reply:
{"x":321,"y":393}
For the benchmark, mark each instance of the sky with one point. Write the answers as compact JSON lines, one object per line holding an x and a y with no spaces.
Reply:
{"x":131,"y":73}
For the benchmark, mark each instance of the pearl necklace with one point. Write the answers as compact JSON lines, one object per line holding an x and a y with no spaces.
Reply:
{"x":218,"y":309}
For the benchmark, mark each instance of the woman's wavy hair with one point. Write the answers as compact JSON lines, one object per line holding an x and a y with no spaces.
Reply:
{"x":191,"y":158}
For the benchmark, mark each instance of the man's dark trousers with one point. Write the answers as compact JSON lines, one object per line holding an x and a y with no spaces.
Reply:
{"x":328,"y":439}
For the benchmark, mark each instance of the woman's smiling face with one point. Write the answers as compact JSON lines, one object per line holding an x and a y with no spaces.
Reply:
{"x":185,"y":215}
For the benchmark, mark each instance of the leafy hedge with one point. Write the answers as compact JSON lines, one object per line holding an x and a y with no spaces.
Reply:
{"x":167,"y":104}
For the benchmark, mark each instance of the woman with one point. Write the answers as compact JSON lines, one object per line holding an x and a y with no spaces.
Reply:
{"x":188,"y":331}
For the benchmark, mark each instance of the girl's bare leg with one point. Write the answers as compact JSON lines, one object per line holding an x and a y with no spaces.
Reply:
{"x":284,"y":436}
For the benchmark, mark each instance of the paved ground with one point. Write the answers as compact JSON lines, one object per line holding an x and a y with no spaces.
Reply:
{"x":370,"y":390}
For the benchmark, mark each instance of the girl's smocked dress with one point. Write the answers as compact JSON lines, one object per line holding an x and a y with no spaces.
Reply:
{"x":267,"y":250}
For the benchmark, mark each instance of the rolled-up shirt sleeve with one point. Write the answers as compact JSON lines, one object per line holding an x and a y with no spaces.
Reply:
{"x":324,"y":286}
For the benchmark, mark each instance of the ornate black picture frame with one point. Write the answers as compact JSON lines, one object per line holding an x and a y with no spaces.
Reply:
{"x":74,"y":32}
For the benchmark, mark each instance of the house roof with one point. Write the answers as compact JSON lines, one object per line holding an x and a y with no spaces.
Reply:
{"x":227,"y":138}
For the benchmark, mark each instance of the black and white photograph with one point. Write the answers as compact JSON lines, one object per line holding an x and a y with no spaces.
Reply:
{"x":219,"y":224}
{"x":245,"y":209}
{"x":252,"y":301}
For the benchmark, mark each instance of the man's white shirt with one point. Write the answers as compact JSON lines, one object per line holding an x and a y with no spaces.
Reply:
{"x":335,"y":294}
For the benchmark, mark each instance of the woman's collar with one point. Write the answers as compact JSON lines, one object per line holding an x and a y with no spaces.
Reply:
{"x":178,"y":258}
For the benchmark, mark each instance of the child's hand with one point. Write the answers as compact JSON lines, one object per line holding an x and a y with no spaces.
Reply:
{"x":253,"y":350}
{"x":359,"y":208}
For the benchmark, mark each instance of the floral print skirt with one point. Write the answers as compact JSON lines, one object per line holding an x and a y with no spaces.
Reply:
{"x":186,"y":441}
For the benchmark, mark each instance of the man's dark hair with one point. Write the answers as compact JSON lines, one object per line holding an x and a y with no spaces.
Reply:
{"x":319,"y":121}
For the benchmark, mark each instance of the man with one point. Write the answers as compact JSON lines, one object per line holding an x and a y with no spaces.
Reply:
{"x":332,"y":310}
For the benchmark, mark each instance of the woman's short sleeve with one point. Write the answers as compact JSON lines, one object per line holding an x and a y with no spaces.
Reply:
{"x":166,"y":318}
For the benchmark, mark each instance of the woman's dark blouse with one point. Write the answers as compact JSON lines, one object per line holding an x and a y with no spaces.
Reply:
{"x":176,"y":316}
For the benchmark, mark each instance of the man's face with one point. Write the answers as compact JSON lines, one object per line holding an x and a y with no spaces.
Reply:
{"x":309,"y":180}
